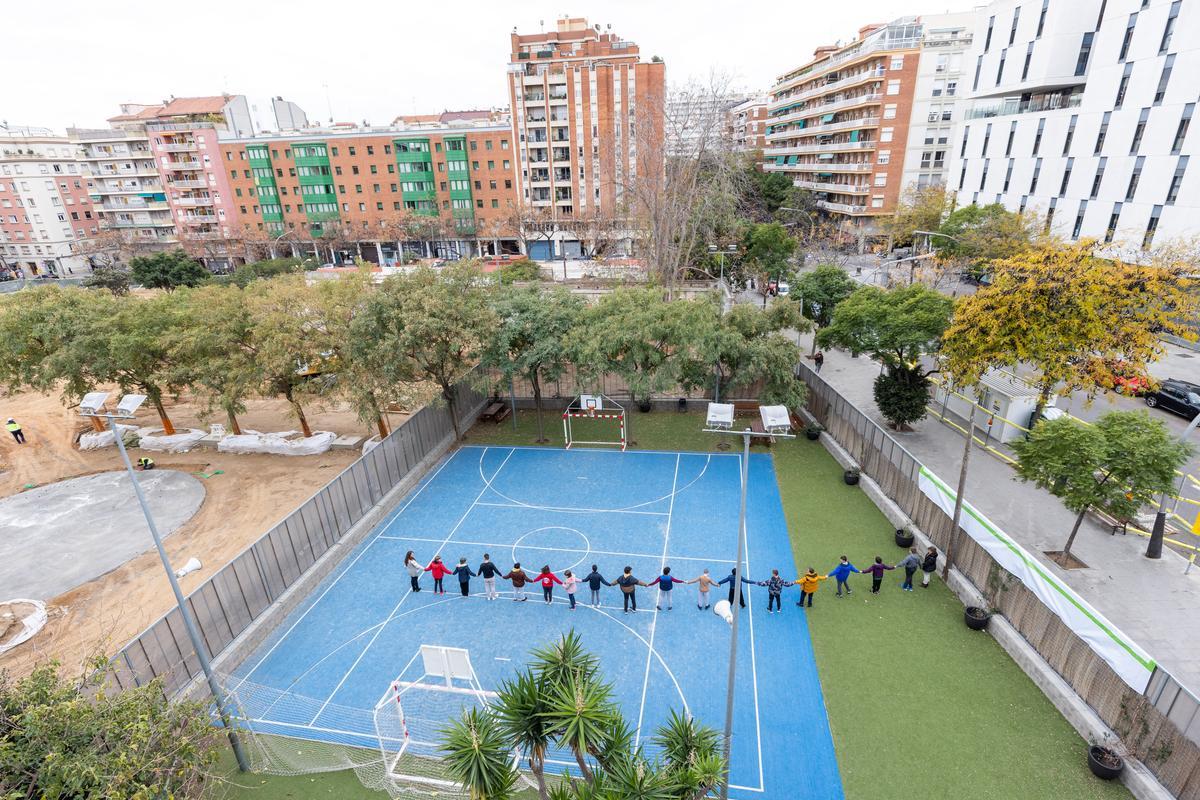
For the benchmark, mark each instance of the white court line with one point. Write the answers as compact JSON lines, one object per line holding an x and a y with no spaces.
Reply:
{"x":754,"y":661}
{"x":654,"y":622}
{"x":573,"y":510}
{"x":362,"y":551}
{"x":408,"y":594}
{"x":606,"y":452}
{"x":498,"y":545}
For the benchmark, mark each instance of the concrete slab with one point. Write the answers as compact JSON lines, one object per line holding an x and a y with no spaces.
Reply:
{"x":346,"y":442}
{"x":55,"y":537}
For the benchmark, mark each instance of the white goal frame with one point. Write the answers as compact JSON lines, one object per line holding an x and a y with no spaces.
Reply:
{"x":594,"y":406}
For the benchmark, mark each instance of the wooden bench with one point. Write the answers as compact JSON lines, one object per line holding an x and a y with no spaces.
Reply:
{"x":757,"y":427}
{"x":496,"y":412}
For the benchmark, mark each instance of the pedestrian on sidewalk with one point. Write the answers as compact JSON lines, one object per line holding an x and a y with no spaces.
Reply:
{"x":464,"y":575}
{"x":819,"y":361}
{"x":414,"y":569}
{"x":876,"y":572}
{"x":570,"y":583}
{"x":594,"y":581}
{"x":665,"y":583}
{"x":706,"y":583}
{"x":928,"y":566}
{"x":911,"y":563}
{"x":439,"y":571}
{"x":730,"y":580}
{"x":841,"y":574}
{"x":629,"y":585}
{"x":488,"y":571}
{"x":775,"y":586}
{"x":809,"y":583}
{"x":14,"y":427}
{"x":519,"y":578}
{"x":547,"y":579}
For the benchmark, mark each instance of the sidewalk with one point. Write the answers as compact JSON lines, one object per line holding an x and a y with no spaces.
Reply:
{"x":1153,"y":602}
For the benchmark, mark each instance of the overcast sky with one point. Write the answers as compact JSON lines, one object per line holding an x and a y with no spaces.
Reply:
{"x":73,"y":62}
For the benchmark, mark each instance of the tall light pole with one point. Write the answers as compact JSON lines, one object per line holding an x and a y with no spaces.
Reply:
{"x":92,"y":405}
{"x":1155,"y":546}
{"x":731,"y":679}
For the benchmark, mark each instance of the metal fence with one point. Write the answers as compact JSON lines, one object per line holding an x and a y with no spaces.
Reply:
{"x":244,"y":589}
{"x":1161,"y":727}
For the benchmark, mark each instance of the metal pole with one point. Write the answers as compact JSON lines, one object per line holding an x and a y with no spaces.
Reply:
{"x":958,"y":499}
{"x":184,"y":611}
{"x":1154,"y":548}
{"x":512,"y":398}
{"x":737,"y":604}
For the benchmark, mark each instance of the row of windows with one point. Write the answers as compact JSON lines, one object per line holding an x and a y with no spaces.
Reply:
{"x":1130,"y":191}
{"x":411,"y":205}
{"x":313,"y":151}
{"x":376,"y":188}
{"x":417,"y":166}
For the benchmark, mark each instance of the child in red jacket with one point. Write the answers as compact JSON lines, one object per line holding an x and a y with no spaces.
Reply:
{"x":439,"y":571}
{"x":547,"y":579}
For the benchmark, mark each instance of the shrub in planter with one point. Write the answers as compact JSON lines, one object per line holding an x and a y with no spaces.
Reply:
{"x":644,"y":405}
{"x":904,"y":538}
{"x":851,"y":476}
{"x":813,"y":432}
{"x":976,"y":618}
{"x":1105,"y":762}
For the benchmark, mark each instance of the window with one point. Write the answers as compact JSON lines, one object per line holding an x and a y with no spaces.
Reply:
{"x":987,"y":43}
{"x":1138,"y":131}
{"x":375,"y":188}
{"x":1123,"y":86}
{"x":963,"y":150}
{"x":1028,"y":59}
{"x":1066,"y":179}
{"x":883,"y":157}
{"x":1098,"y":178}
{"x":491,"y":165}
{"x":1085,"y":52}
{"x":1170,"y":28}
{"x":374,"y":170}
{"x":1070,"y":133}
{"x":353,"y":170}
{"x":983,"y":175}
{"x":1012,"y":133}
{"x":495,"y":202}
{"x":876,"y":202}
{"x":1008,"y":175}
{"x":978,"y":67}
{"x":387,"y":150}
{"x":881,"y":179}
{"x":358,"y":188}
{"x":1000,"y":68}
{"x":1128,"y":36}
{"x":1042,"y":19}
{"x":1012,"y":32}
{"x":1103,"y":133}
{"x":478,"y":203}
{"x":1134,"y":178}
{"x":1079,"y":219}
{"x":893,"y":87}
{"x":889,"y":111}
{"x":886,"y":134}
{"x":1181,"y":131}
{"x":1176,"y":180}
{"x":1050,"y":213}
{"x":478,"y":185}
{"x":1037,"y":139}
{"x":1163,"y":79}
{"x":1112,"y":223}
{"x":987,"y":137}
{"x":1151,"y":227}
{"x":351,"y":151}
{"x":504,"y":144}
{"x":1037,"y":172}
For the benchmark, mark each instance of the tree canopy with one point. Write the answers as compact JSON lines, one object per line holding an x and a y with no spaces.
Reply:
{"x":895,"y":326}
{"x":766,"y":248}
{"x":982,"y":234}
{"x":820,"y":291}
{"x":167,"y":270}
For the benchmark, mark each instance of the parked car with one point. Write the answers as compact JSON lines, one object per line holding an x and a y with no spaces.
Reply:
{"x":783,"y":288}
{"x":1128,"y":381}
{"x":1180,"y":397}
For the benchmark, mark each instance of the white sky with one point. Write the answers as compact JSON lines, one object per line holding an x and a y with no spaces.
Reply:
{"x":74,"y":61}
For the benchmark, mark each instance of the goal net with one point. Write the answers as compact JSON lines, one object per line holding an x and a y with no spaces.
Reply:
{"x":594,"y":419}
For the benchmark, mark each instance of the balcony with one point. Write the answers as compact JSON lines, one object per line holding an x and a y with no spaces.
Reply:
{"x":186,"y":183}
{"x":839,"y":188}
{"x":841,"y":208}
{"x":181,"y":147}
{"x":189,"y":164}
{"x":146,"y":169}
{"x":844,"y":83}
{"x":193,"y":201}
{"x":196,"y":219}
{"x":858,"y":123}
{"x":135,"y":204}
{"x":829,"y":147}
{"x":1034,"y":105}
{"x":874,"y":44}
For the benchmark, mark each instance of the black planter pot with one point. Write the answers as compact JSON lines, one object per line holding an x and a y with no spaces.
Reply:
{"x":644,"y":406}
{"x":976,"y":618}
{"x":904,"y":538}
{"x":850,"y":477}
{"x":812,"y":435}
{"x":1101,"y":769}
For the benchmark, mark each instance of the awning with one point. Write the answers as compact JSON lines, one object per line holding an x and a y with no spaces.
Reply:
{"x":780,"y":160}
{"x":827,"y":118}
{"x":792,"y":159}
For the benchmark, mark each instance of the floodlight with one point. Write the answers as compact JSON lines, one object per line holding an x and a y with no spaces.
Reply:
{"x":129,"y":404}
{"x":92,"y":403}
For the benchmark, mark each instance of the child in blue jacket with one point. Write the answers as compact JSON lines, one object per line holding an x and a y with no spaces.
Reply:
{"x":841,"y":573}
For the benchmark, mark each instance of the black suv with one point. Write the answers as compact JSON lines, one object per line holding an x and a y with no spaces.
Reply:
{"x":1179,"y":396}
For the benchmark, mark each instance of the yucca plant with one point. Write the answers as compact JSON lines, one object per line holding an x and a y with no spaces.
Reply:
{"x":479,"y":756}
{"x":618,"y":744}
{"x":556,"y":661}
{"x":635,"y":778}
{"x":692,"y":753}
{"x":520,"y":707}
{"x":579,"y":714}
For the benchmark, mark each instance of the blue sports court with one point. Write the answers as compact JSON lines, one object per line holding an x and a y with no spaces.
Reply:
{"x":334,"y":657}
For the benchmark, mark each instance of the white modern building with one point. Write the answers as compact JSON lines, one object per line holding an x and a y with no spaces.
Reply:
{"x":1081,"y":110}
{"x":45,"y":210}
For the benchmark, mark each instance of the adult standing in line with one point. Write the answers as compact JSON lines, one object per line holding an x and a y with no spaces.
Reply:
{"x":488,"y":571}
{"x":464,"y":575}
{"x":910,"y":563}
{"x":665,"y":583}
{"x":594,"y":581}
{"x":629,"y":585}
{"x":730,"y":580}
{"x":519,"y":578}
{"x":414,"y":569}
{"x":706,"y":583}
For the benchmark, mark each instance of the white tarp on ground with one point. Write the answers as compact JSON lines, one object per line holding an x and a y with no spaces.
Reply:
{"x":94,"y":440}
{"x":371,"y":444}
{"x":1129,"y":661}
{"x":154,"y":439}
{"x":33,"y":620}
{"x":281,"y":443}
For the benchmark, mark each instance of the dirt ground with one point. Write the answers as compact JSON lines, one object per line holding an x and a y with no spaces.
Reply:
{"x":251,"y":495}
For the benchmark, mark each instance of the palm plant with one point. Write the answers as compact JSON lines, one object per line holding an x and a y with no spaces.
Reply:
{"x":478,"y":755}
{"x":565,"y":657}
{"x":692,"y":753}
{"x":520,"y":708}
{"x":634,"y":778}
{"x":580,"y":714}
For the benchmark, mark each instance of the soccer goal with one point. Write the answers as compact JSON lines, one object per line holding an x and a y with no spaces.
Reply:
{"x":589,"y":417}
{"x":434,"y":688}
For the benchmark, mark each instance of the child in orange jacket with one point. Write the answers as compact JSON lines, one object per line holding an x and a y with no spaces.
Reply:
{"x":809,"y":582}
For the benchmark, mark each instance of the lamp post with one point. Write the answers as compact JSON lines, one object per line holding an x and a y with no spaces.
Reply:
{"x":1155,"y":546}
{"x":92,"y":405}
{"x":731,"y":679}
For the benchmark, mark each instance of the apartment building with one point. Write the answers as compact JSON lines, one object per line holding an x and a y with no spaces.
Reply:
{"x":427,"y":189}
{"x":859,"y":123}
{"x":747,"y":124}
{"x":45,"y":207}
{"x":1081,"y":110}
{"x":587,"y":121}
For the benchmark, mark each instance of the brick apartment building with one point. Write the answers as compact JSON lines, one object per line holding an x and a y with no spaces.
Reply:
{"x":587,"y":121}
{"x":747,"y":125}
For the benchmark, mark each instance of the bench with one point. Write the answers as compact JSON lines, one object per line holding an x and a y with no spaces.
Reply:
{"x":496,"y":412}
{"x":757,"y":427}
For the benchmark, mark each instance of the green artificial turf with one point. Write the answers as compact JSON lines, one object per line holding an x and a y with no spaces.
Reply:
{"x":919,"y":706}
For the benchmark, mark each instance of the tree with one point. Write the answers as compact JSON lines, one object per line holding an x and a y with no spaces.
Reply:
{"x":520,"y":269}
{"x":432,"y":325}
{"x":111,"y":278}
{"x":283,"y":345}
{"x":1073,"y":318}
{"x":978,"y":235}
{"x":820,"y":291}
{"x":167,"y":270}
{"x":902,"y":396}
{"x":919,"y":209}
{"x":1116,"y":464}
{"x":478,"y":756}
{"x":75,"y":738}
{"x":530,"y":340}
{"x":766,"y":248}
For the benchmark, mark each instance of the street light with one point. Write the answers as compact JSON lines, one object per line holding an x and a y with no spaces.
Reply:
{"x":746,"y":434}
{"x":1154,"y":548}
{"x":92,"y":406}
